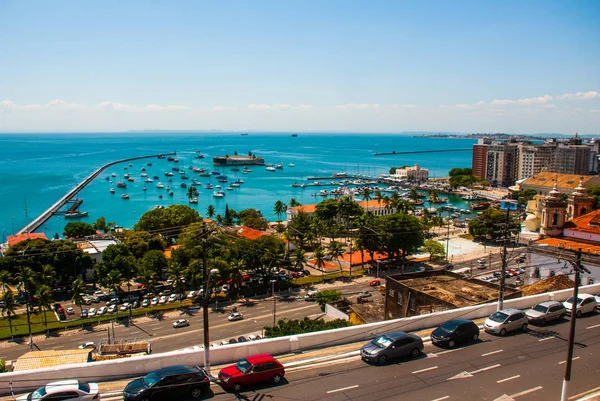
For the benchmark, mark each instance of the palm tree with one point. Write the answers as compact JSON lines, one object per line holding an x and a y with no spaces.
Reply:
{"x":378,"y":196}
{"x":279,"y":209}
{"x":176,"y":275}
{"x":210,"y":211}
{"x":113,"y":280}
{"x":191,"y":191}
{"x":335,"y":251}
{"x":294,"y":203}
{"x":8,"y":307}
{"x":414,"y":194}
{"x":300,"y":258}
{"x":149,"y":277}
{"x":5,"y":279}
{"x":78,"y":288}
{"x":193,"y":272}
{"x":47,"y":275}
{"x":44,"y":296}
{"x":366,"y":194}
{"x":319,"y":256}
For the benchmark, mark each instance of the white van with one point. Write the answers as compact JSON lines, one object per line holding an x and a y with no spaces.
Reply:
{"x":310,"y":296}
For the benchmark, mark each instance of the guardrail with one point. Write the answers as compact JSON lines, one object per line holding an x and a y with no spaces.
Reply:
{"x":140,"y":365}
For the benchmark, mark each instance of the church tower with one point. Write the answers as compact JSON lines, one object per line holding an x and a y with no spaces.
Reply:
{"x":554,"y":210}
{"x":579,"y":202}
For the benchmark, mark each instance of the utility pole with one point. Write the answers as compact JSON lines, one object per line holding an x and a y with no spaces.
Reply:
{"x":504,"y":262}
{"x":205,"y":306}
{"x":274,"y":302}
{"x":448,"y":237}
{"x":578,"y":268}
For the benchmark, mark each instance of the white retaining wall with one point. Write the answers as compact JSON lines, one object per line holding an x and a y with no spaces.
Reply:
{"x":140,"y":365}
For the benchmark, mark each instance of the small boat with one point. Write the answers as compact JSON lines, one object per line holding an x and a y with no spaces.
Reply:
{"x":131,"y":179}
{"x":160,"y":185}
{"x":208,"y":186}
{"x":184,"y":177}
{"x":144,"y":175}
{"x":480,"y":205}
{"x":112,"y":190}
{"x":171,"y":193}
{"x":168,"y":188}
{"x":70,"y":215}
{"x":121,"y":184}
{"x":160,"y":196}
{"x":175,"y":160}
{"x":107,"y":178}
{"x":148,"y":179}
{"x":235,"y":184}
{"x":295,"y":185}
{"x":193,"y":200}
{"x":170,"y":179}
{"x":270,"y":168}
{"x":126,"y":175}
{"x":246,"y":169}
{"x":113,"y":175}
{"x":161,"y":157}
{"x":170,"y":158}
{"x":222,"y":180}
{"x":125,"y":168}
{"x":294,"y":135}
{"x":169,"y":174}
{"x":279,"y":166}
{"x":130,"y":165}
{"x":155,"y":177}
{"x":292,"y":165}
{"x":215,"y":172}
{"x":229,"y":188}
{"x":183,"y":185}
{"x":244,"y":172}
{"x":175,"y":168}
{"x":124,"y":196}
{"x":204,"y":175}
{"x":218,"y":186}
{"x":149,"y":164}
{"x":199,"y":155}
{"x":159,"y":207}
{"x":239,"y":181}
{"x":218,"y":194}
{"x":144,"y":188}
{"x":244,"y":134}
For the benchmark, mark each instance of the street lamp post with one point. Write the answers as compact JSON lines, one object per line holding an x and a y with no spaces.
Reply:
{"x":274,"y":302}
{"x":206,"y":299}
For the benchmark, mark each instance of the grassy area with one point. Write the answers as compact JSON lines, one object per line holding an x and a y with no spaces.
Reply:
{"x":326,"y":277}
{"x":467,"y":236}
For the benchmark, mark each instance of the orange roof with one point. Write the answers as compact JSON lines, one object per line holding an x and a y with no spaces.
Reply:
{"x":373,"y":203}
{"x":326,"y":265}
{"x":15,"y":239}
{"x":567,"y":243}
{"x":167,"y":252}
{"x":565,"y":182}
{"x":304,"y":208}
{"x":357,"y":258}
{"x":251,"y":233}
{"x":588,"y":223}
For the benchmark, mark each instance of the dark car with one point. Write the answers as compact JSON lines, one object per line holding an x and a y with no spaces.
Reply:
{"x":170,"y":383}
{"x":253,"y":369}
{"x":455,"y":332}
{"x":391,"y":345}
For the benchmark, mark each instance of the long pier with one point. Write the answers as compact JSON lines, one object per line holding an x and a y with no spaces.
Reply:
{"x":42,"y":218}
{"x":412,"y":152}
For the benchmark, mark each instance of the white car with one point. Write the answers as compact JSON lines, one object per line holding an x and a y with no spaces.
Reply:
{"x":224,"y":342}
{"x":253,"y":337}
{"x":70,"y":311}
{"x":154,"y":301}
{"x":173,"y":298}
{"x":180,"y":323}
{"x":235,"y":316}
{"x":112,"y":309}
{"x":92,"y":312}
{"x":102,"y":310}
{"x":76,"y":389}
{"x":586,"y":303}
{"x":145,"y":303}
{"x":89,"y":344}
{"x":125,"y":306}
{"x":365,"y":294}
{"x":163,"y":300}
{"x":191,"y":294}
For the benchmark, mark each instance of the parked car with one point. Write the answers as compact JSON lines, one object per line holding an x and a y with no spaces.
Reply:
{"x":253,"y":337}
{"x":170,"y":383}
{"x":145,"y":303}
{"x":310,"y":296}
{"x":364,"y":294}
{"x":191,"y":294}
{"x":519,"y":282}
{"x":162,"y":299}
{"x":454,"y":332}
{"x":112,"y":309}
{"x":546,"y":311}
{"x":154,"y":301}
{"x":242,"y":339}
{"x":586,"y":303}
{"x":235,"y":316}
{"x":374,"y":283}
{"x":597,"y":296}
{"x":125,"y":306}
{"x":113,"y":301}
{"x":70,"y":311}
{"x":232,"y":341}
{"x":506,"y":320}
{"x":391,"y":345}
{"x":101,"y":310}
{"x":223,"y":342}
{"x":84,"y":313}
{"x":172,"y":298}
{"x":306,"y":272}
{"x":180,"y":323}
{"x":92,"y":312}
{"x":89,"y":344}
{"x":253,"y":369}
{"x":75,"y":390}
{"x":135,"y":304}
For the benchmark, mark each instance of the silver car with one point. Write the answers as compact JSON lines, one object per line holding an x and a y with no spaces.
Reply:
{"x":506,"y":320}
{"x":545,"y":312}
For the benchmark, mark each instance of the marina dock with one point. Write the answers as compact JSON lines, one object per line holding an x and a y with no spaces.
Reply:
{"x":42,"y":218}
{"x":412,"y":152}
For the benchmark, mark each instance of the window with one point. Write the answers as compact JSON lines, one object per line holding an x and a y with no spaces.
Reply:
{"x":258,"y":368}
{"x":269,"y":366}
{"x":413,"y":305}
{"x":401,"y":342}
{"x":400,"y":298}
{"x":391,"y":292}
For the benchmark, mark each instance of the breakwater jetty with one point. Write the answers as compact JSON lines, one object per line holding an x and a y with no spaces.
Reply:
{"x":412,"y":152}
{"x":42,"y":218}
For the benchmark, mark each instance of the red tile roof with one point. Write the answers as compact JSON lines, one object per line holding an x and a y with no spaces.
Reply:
{"x":571,"y":243}
{"x":373,"y":203}
{"x":357,"y":259}
{"x":588,"y":223}
{"x":251,"y":233}
{"x":304,"y":208}
{"x":327,"y":266}
{"x":15,"y":239}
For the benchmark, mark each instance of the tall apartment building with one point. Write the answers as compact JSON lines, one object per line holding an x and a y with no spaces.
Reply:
{"x":573,"y":159}
{"x":479,"y":161}
{"x":533,"y":159}
{"x":502,"y":163}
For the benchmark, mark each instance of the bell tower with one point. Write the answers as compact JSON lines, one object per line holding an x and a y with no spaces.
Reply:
{"x":554,"y":210}
{"x":579,"y":202}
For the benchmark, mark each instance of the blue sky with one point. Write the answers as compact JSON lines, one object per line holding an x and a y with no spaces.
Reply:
{"x":381,"y":66}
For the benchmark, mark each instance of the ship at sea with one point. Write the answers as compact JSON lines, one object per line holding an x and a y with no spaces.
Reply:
{"x":238,"y":160}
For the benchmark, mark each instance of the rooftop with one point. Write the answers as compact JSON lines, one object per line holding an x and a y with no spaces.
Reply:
{"x":370,"y":312}
{"x":15,"y":239}
{"x":566,"y":182}
{"x":304,"y":208}
{"x":358,"y":257}
{"x":588,"y":223}
{"x":251,"y":233}
{"x":558,"y":282}
{"x":50,"y":358}
{"x":590,"y":247}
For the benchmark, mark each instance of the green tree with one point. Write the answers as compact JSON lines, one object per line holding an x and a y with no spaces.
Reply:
{"x":169,"y":221}
{"x":78,"y":230}
{"x":176,"y":273}
{"x":154,"y":261}
{"x":44,"y":295}
{"x":299,"y":258}
{"x":487,"y":224}
{"x":210,"y":211}
{"x":327,"y":210}
{"x":8,"y":307}
{"x":319,"y":256}
{"x":78,"y":287}
{"x":335,"y":251}
{"x":366,"y":193}
{"x":5,"y":279}
{"x":113,"y":280}
{"x":294,"y":203}
{"x":525,"y":195}
{"x":101,"y":225}
{"x":327,"y":297}
{"x":299,"y":227}
{"x":252,"y":218}
{"x":403,"y":234}
{"x":435,"y":249}
{"x":47,"y":275}
{"x":286,"y":327}
{"x":279,"y":209}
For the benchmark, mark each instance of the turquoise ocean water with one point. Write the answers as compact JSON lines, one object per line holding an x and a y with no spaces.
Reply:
{"x":37,"y":169}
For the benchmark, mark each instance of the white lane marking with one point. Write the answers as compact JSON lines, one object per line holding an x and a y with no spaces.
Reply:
{"x":450,"y":350}
{"x":547,"y":338}
{"x":442,"y":398}
{"x":574,"y":359}
{"x":486,"y":368}
{"x":328,"y":357}
{"x":593,"y":327}
{"x":342,"y":389}
{"x":531,"y":390}
{"x":318,"y":364}
{"x":424,"y":370}
{"x":508,"y":378}
{"x":493,"y":352}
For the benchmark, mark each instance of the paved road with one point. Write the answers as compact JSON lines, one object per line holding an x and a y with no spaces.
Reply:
{"x":165,"y":338}
{"x":524,"y":366}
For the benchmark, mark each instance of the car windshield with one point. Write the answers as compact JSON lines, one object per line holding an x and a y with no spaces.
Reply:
{"x":243,"y":365}
{"x":37,"y":394}
{"x":151,"y":379}
{"x":450,"y":326}
{"x":499,"y":317}
{"x":84,"y":387}
{"x":570,"y":300}
{"x":382,"y":341}
{"x":540,"y":308}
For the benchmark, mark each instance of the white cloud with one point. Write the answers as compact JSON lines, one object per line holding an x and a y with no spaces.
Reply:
{"x":580,"y":96}
{"x":131,"y":107}
{"x":269,"y":106}
{"x":223,"y":108}
{"x":360,"y":106}
{"x":525,"y":102}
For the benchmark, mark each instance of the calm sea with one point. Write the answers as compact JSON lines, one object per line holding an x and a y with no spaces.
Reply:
{"x":37,"y":169}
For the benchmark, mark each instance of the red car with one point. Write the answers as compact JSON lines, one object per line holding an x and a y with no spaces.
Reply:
{"x":251,"y":370}
{"x":374,"y":283}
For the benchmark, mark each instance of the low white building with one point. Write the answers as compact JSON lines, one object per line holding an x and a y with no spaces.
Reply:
{"x":415,"y":173}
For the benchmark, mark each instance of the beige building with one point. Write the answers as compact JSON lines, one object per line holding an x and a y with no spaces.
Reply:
{"x":415,"y":173}
{"x":534,"y":159}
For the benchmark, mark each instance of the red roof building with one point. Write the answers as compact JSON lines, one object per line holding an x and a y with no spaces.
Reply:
{"x":15,"y":239}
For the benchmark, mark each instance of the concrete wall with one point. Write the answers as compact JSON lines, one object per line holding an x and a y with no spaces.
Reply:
{"x":335,"y":313}
{"x":140,"y":365}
